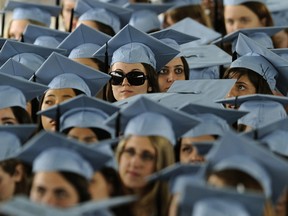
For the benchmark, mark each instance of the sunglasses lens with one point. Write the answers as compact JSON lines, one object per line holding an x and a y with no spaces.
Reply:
{"x":136,"y":78}
{"x":116,"y":78}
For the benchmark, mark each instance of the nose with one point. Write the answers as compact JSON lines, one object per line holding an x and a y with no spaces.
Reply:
{"x":136,"y":161}
{"x":171,"y":77}
{"x":231,"y":93}
{"x":195,"y":157}
{"x":237,"y":25}
{"x":125,"y":82}
{"x":49,"y":199}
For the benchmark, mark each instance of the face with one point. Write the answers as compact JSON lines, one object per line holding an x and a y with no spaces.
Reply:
{"x":125,"y":89}
{"x":16,"y":29}
{"x":168,"y":21}
{"x":52,"y":97}
{"x":7,"y":117}
{"x":280,"y":39}
{"x":243,"y":86}
{"x":85,"y":135}
{"x":238,"y":17}
{"x":136,"y":162}
{"x":216,"y":181}
{"x":188,"y":152}
{"x":88,"y":62}
{"x":52,"y":189}
{"x":174,"y":70}
{"x":68,"y":5}
{"x":89,"y":23}
{"x":99,"y":188}
{"x":7,"y":185}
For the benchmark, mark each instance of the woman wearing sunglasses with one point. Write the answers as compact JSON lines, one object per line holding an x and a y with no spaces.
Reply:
{"x":134,"y":58}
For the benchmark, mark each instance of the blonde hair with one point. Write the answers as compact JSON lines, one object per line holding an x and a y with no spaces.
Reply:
{"x":155,"y":198}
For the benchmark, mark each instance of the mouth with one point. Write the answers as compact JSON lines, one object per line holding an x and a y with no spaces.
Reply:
{"x":133,"y":173}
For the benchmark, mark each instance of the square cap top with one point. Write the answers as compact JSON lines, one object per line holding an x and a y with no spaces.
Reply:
{"x":83,"y":42}
{"x":146,"y":117}
{"x":256,"y":161}
{"x":237,"y":2}
{"x":196,"y":29}
{"x":30,"y":55}
{"x":43,"y":36}
{"x":106,"y":13}
{"x":31,"y":11}
{"x":155,"y":7}
{"x":133,"y":46}
{"x":274,"y":63}
{"x":199,"y":199}
{"x":15,"y":68}
{"x":59,"y":72}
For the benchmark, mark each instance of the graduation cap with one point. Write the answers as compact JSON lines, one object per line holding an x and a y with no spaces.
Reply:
{"x":13,"y":137}
{"x":278,"y":10}
{"x":184,"y":2}
{"x":173,"y":38}
{"x":55,"y":152}
{"x":43,"y":36}
{"x":145,"y":117}
{"x":237,"y":2}
{"x":263,"y":109}
{"x":59,"y":72}
{"x":30,"y":55}
{"x":81,"y":111}
{"x":109,"y":14}
{"x":261,"y":35}
{"x":133,"y":46}
{"x":269,"y":65}
{"x":145,"y":15}
{"x":282,"y":52}
{"x":196,"y":29}
{"x":15,"y":68}
{"x":199,"y":199}
{"x":16,"y":91}
{"x":31,"y":11}
{"x":244,"y":154}
{"x":83,"y":42}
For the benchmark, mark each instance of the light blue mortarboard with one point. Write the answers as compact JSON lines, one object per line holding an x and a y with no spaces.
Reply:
{"x":173,"y":38}
{"x":237,"y":2}
{"x":12,"y":138}
{"x":83,"y":42}
{"x":198,"y":199}
{"x":263,"y":109}
{"x":269,"y":65}
{"x":145,"y":15}
{"x":133,"y":46}
{"x":196,"y":29}
{"x":15,"y":68}
{"x":37,"y":12}
{"x":16,"y":91}
{"x":54,"y":152}
{"x":82,"y":111}
{"x":145,"y":117}
{"x":59,"y":72}
{"x":282,"y":52}
{"x":278,"y":10}
{"x":246,"y":155}
{"x":30,"y":55}
{"x":109,"y":14}
{"x":43,"y":36}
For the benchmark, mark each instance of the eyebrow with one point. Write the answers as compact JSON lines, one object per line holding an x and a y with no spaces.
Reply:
{"x":8,"y":118}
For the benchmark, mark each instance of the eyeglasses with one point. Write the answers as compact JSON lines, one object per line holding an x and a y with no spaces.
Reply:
{"x":135,"y":78}
{"x":145,"y":156}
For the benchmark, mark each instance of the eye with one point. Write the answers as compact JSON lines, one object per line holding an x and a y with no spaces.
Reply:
{"x":241,"y":87}
{"x":40,"y":191}
{"x":244,"y":20}
{"x":49,"y":102}
{"x":8,"y":123}
{"x":163,"y":71}
{"x":129,"y":152}
{"x":147,"y":156}
{"x":187,"y":149}
{"x":179,"y":70}
{"x":61,"y":194}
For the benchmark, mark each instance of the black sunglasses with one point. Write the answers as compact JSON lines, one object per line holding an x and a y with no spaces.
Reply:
{"x":135,"y":78}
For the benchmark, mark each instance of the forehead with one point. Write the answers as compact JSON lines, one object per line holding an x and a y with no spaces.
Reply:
{"x":140,"y":143}
{"x":60,"y":92}
{"x":238,"y":11}
{"x":176,"y":61}
{"x":50,"y":179}
{"x":127,"y":67}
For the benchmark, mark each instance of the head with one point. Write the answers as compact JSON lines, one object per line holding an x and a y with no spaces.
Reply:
{"x":15,"y":179}
{"x":91,"y":62}
{"x":246,"y":15}
{"x":140,"y":156}
{"x":67,"y":6}
{"x":50,"y":98}
{"x":98,"y":26}
{"x":14,"y":115}
{"x":176,"y":69}
{"x":125,"y":89}
{"x":59,"y":189}
{"x":248,"y":82}
{"x":87,"y":135}
{"x":195,"y":12}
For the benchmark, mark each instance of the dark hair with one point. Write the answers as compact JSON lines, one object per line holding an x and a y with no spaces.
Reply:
{"x":39,"y":121}
{"x":23,"y":186}
{"x":105,"y":28}
{"x":100,"y":133}
{"x":256,"y":79}
{"x":151,"y":78}
{"x":195,"y":12}
{"x":261,"y":11}
{"x":100,"y":64}
{"x":186,"y":68}
{"x":80,"y":184}
{"x":21,"y":115}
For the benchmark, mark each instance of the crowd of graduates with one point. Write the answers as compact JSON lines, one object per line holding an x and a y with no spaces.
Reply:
{"x":144,"y":108}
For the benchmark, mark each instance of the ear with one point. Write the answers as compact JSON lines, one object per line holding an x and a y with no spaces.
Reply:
{"x":19,"y":173}
{"x":263,"y":22}
{"x":149,"y":89}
